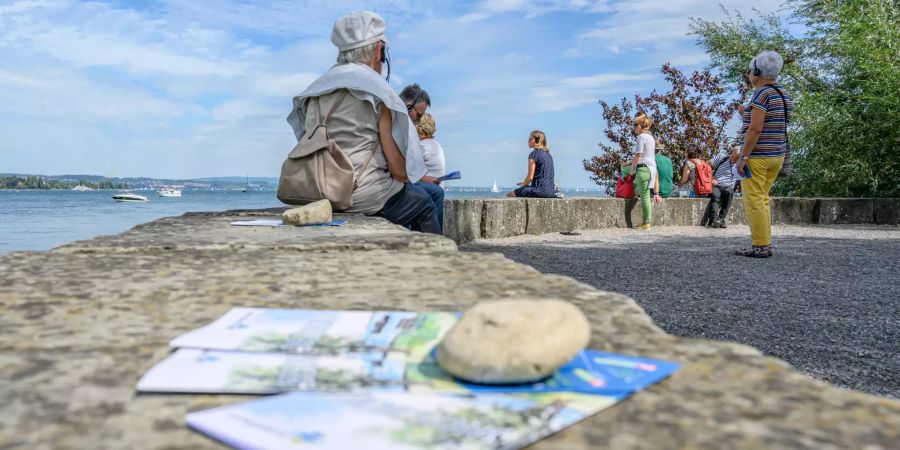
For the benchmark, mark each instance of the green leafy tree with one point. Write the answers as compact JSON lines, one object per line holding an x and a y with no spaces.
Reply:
{"x":844,"y":75}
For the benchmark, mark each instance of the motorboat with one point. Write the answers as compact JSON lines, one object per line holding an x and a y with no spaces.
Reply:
{"x":81,"y":188}
{"x":129,"y":197}
{"x":169,"y":192}
{"x":495,"y":188}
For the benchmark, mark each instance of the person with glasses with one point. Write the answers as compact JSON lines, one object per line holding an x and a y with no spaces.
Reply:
{"x":539,"y":180}
{"x":417,"y":102}
{"x":370,"y":124}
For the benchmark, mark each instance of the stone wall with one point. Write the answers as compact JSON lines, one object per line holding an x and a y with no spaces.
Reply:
{"x":83,"y":322}
{"x":469,"y":219}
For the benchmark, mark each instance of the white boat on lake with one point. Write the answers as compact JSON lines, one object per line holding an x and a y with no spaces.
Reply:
{"x":81,"y":188}
{"x":495,"y":188}
{"x":169,"y":192}
{"x":129,"y":197}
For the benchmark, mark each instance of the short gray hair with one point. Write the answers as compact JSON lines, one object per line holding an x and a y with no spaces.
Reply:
{"x":769,"y":64}
{"x":361,"y":55}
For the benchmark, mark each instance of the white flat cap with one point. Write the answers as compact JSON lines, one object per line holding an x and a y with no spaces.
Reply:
{"x":357,"y":30}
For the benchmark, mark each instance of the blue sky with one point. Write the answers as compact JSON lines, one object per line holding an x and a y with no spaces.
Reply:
{"x":186,"y":88}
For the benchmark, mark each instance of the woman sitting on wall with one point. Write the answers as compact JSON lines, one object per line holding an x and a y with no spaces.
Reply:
{"x":539,"y":181}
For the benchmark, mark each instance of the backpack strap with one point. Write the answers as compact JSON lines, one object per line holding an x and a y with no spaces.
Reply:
{"x":787,"y":119}
{"x":323,"y":122}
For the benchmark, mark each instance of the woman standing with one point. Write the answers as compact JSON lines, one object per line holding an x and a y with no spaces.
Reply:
{"x":643,"y":166}
{"x":539,"y":181}
{"x":764,"y":137}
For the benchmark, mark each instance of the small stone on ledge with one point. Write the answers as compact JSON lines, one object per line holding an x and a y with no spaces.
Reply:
{"x":314,"y":213}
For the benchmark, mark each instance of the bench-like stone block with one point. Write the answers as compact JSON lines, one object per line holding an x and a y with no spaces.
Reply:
{"x":503,"y":218}
{"x":549,"y":215}
{"x":887,"y":211}
{"x":593,"y":213}
{"x":462,"y":219}
{"x":793,"y":211}
{"x":846,"y":210}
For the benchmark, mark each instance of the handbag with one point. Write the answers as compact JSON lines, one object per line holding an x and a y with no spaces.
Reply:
{"x":786,"y":167}
{"x":625,"y":187}
{"x":317,"y":168}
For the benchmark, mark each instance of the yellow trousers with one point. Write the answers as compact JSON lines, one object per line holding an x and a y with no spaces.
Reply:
{"x":763,"y":172}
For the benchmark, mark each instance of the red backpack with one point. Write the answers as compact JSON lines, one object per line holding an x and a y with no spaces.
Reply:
{"x":702,"y":177}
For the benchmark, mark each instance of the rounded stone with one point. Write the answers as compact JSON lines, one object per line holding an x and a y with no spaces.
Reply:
{"x":513,"y":341}
{"x":314,"y":213}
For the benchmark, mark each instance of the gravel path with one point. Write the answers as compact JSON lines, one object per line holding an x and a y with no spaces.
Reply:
{"x":828,"y":302}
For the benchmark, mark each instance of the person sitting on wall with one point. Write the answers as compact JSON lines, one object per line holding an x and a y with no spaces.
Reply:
{"x":689,"y":170}
{"x":434,"y":158}
{"x":370,"y":124}
{"x":417,"y":102}
{"x":664,"y":172}
{"x":539,"y":180}
{"x":722,"y":190}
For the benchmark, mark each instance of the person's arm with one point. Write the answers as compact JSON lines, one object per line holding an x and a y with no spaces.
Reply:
{"x":757,"y":120}
{"x":638,"y":152}
{"x":395,"y":160}
{"x":685,"y":174}
{"x":656,"y":197}
{"x":531,"y":166}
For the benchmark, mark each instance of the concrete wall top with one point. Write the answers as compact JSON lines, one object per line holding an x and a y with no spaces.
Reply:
{"x":82,"y":323}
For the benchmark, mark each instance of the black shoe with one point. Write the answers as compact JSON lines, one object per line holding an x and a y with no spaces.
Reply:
{"x":756,"y":252}
{"x":722,"y":224}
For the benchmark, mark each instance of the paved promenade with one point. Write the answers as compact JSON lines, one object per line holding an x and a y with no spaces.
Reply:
{"x":828,"y":302}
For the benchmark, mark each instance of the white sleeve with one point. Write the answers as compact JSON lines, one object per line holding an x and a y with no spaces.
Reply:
{"x":639,"y":146}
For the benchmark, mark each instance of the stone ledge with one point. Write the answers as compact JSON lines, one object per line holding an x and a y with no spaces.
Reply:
{"x":80,"y":326}
{"x":471,"y":219}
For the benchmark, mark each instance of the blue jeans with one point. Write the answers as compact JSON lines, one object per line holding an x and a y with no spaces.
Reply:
{"x":437,"y":196}
{"x":412,"y":207}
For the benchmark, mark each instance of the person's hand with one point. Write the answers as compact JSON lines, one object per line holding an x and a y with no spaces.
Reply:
{"x":740,"y":166}
{"x":657,"y":199}
{"x":520,"y":184}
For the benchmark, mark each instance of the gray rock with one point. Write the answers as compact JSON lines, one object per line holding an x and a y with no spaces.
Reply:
{"x":513,"y":341}
{"x":313,"y":213}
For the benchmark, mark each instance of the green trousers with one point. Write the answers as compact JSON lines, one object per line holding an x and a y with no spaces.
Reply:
{"x":642,"y":189}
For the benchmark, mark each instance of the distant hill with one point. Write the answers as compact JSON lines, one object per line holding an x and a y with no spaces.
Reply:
{"x":207,"y":183}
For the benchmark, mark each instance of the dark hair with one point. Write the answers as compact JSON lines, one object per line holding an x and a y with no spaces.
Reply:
{"x":693,"y":153}
{"x":415,"y":94}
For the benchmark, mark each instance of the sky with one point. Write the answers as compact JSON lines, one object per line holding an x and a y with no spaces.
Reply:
{"x":189,"y":89}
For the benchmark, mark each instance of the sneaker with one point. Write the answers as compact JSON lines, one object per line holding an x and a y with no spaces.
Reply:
{"x":643,"y":226}
{"x":722,"y":223}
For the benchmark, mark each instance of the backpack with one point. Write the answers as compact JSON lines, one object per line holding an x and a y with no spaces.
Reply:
{"x":702,"y":177}
{"x":318,"y":169}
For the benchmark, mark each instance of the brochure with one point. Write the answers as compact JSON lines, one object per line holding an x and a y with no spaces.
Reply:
{"x":455,"y":175}
{"x":590,"y":372}
{"x":280,"y":223}
{"x":235,"y":372}
{"x":220,"y":372}
{"x":395,"y":420}
{"x":322,"y":332}
{"x":741,"y":176}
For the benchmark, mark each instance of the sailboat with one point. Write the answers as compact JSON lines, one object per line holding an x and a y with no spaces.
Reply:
{"x":247,"y":188}
{"x":495,"y":188}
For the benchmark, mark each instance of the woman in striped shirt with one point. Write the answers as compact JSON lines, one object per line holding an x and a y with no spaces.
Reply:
{"x":763,"y":136}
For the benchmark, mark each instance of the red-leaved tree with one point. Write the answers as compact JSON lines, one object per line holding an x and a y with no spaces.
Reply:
{"x":694,"y":113}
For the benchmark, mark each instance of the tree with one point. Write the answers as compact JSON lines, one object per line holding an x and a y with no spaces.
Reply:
{"x":844,"y":75}
{"x":693,"y":114}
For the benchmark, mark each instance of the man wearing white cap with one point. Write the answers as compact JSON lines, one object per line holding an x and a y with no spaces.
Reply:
{"x":370,"y":124}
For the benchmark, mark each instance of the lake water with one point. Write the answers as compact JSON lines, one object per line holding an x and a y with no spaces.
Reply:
{"x":41,"y":220}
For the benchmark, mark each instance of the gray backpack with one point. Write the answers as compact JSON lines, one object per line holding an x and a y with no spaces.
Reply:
{"x":318,"y":169}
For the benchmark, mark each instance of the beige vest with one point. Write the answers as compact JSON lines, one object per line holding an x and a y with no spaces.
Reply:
{"x":354,"y":126}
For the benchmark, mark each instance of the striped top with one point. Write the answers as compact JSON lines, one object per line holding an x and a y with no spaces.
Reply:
{"x":723,"y":172}
{"x":771,"y":140}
